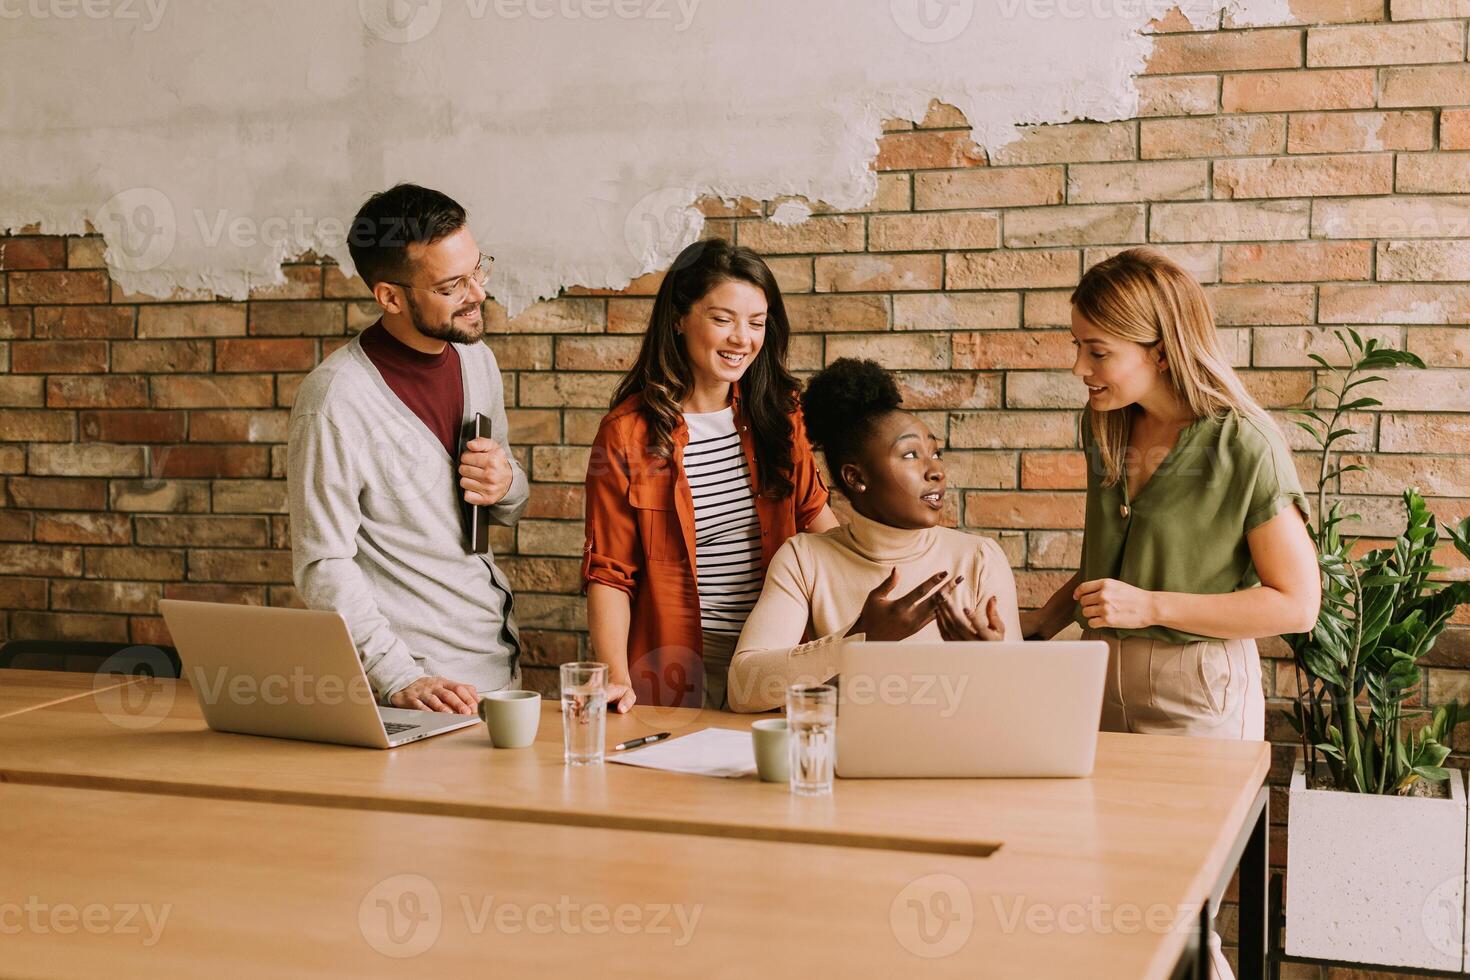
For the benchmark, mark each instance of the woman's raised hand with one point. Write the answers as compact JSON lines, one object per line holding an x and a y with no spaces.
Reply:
{"x":883,"y":618}
{"x":959,"y":623}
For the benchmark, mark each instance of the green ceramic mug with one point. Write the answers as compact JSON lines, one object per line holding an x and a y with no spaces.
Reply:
{"x":772,"y":739}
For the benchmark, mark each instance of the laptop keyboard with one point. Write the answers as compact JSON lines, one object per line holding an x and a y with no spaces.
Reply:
{"x":396,"y":727}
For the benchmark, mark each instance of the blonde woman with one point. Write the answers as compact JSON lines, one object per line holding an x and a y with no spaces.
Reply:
{"x":1195,"y":540}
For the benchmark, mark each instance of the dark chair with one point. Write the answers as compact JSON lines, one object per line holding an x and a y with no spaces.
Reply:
{"x":90,"y":657}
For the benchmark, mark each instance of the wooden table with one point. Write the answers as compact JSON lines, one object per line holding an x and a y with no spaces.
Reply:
{"x":1160,"y":824}
{"x":26,"y":690}
{"x":182,"y":887}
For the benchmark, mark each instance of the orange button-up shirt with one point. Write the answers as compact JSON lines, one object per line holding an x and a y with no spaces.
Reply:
{"x":640,"y":539}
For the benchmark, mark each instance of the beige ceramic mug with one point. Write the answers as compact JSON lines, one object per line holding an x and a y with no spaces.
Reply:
{"x":512,"y":717}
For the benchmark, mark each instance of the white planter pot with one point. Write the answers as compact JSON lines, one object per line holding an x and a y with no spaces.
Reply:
{"x":1376,"y":879}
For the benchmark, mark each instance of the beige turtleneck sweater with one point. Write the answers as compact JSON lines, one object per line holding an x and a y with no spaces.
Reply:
{"x":820,"y":582}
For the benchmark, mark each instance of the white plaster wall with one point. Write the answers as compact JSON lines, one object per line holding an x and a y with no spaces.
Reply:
{"x":209,"y":140}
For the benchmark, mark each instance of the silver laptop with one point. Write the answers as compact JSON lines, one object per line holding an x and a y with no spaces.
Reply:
{"x":288,"y":673}
{"x":969,"y":709}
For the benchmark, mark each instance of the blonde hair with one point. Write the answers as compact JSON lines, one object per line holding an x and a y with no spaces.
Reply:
{"x":1141,"y":296}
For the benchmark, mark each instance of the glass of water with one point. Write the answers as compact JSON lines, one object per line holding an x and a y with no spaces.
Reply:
{"x":811,"y":717}
{"x":583,"y":712}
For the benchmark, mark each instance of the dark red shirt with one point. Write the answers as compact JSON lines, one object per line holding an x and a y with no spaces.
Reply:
{"x":429,"y":384}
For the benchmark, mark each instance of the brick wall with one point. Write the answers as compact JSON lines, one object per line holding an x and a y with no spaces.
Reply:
{"x":1310,"y":175}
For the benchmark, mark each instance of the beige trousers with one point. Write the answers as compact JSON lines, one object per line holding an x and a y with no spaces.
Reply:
{"x":1208,"y":688}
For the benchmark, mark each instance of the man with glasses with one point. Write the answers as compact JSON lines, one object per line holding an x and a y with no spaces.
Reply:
{"x":376,"y":472}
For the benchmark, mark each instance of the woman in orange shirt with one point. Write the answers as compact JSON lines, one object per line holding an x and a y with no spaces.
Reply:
{"x":697,"y":476}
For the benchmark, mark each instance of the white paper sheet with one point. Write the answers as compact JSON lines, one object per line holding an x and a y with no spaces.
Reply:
{"x":707,"y":752}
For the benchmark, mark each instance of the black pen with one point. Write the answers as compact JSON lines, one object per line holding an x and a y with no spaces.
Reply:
{"x":645,"y":740}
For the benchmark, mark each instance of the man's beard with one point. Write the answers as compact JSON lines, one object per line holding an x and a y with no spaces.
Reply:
{"x":448,"y":329}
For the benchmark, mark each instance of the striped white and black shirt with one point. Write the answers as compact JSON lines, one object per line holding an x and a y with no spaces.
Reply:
{"x":727,"y":530}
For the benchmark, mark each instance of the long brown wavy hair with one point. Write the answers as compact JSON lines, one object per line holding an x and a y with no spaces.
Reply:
{"x":1142,"y":296}
{"x":662,"y":375}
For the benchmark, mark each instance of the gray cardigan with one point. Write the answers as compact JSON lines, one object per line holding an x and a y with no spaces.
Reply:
{"x":377,"y":532}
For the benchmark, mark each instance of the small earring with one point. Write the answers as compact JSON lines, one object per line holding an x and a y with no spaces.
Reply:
{"x":861,"y":488}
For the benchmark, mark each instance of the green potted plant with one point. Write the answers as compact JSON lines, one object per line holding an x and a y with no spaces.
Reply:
{"x":1377,"y":826}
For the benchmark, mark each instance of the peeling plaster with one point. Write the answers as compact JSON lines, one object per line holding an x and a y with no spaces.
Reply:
{"x":791,"y":213}
{"x":209,"y":141}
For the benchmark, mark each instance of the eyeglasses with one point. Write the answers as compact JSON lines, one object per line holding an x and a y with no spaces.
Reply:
{"x":457,"y":290}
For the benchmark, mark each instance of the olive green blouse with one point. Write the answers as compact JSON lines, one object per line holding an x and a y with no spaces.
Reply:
{"x":1185,"y":530}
